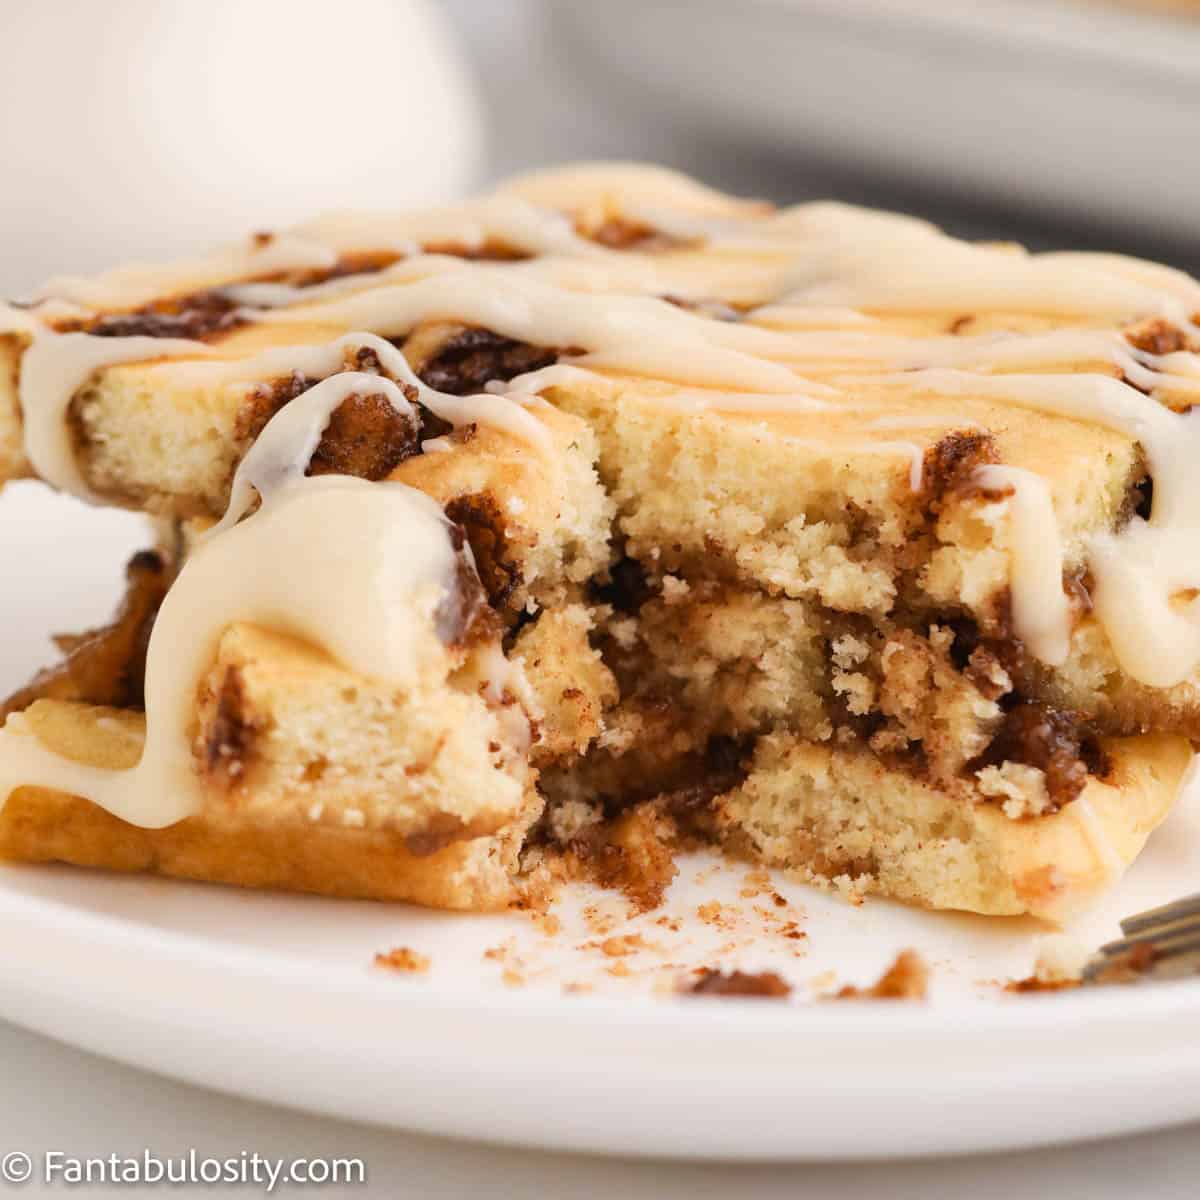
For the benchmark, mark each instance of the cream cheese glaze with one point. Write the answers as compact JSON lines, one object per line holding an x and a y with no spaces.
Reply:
{"x":365,"y":571}
{"x":140,"y":283}
{"x":1145,"y":575}
{"x":369,"y":572}
{"x":814,"y":278}
{"x":1039,"y":606}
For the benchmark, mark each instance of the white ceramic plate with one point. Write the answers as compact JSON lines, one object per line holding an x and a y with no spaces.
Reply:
{"x":1071,"y":109}
{"x":275,"y":997}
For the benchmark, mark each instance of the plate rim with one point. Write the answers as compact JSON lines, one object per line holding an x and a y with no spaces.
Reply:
{"x":619,"y":1075}
{"x":988,"y":1014}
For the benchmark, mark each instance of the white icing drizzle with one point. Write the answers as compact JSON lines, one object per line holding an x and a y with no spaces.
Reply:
{"x":687,"y":227}
{"x":520,"y":305}
{"x":1094,"y":399}
{"x":814,"y":268}
{"x":285,"y":447}
{"x":367,"y":571}
{"x":140,"y":283}
{"x":1099,"y":841}
{"x":56,"y":366}
{"x":1146,"y":579}
{"x":883,"y":266}
{"x":1145,"y":576}
{"x":623,"y":185}
{"x":623,"y":333}
{"x":500,"y":219}
{"x":1040,"y":607}
{"x":484,"y":408}
{"x":783,"y":316}
{"x":994,"y":352}
{"x":255,"y":296}
{"x":361,"y":569}
{"x":507,"y":690}
{"x":602,"y":270}
{"x":1149,"y":274}
{"x":916,"y":464}
{"x":533,"y":383}
{"x":17,"y":320}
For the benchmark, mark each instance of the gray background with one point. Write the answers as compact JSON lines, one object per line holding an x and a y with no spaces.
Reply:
{"x":547,"y":99}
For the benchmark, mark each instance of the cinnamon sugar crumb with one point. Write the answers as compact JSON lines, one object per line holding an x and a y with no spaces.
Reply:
{"x":638,"y":856}
{"x":547,"y":923}
{"x":620,"y":945}
{"x":500,"y":952}
{"x":761,"y":985}
{"x":906,"y":979}
{"x":850,"y":889}
{"x":755,"y":884}
{"x":720,"y":916}
{"x":1034,"y":983}
{"x":599,"y":921}
{"x":404,"y":958}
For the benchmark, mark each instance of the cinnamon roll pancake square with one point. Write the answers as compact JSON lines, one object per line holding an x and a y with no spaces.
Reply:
{"x":314,"y":778}
{"x":222,"y":844}
{"x":813,"y":533}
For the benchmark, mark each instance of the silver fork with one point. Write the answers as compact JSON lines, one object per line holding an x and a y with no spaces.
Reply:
{"x":1163,"y":943}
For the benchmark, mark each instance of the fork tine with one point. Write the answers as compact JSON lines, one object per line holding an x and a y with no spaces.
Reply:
{"x":1178,"y":943}
{"x":1167,"y":914}
{"x":1125,"y":968}
{"x":1161,"y":942}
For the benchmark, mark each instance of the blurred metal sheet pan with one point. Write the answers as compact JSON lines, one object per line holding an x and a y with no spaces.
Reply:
{"x":1085,"y":111}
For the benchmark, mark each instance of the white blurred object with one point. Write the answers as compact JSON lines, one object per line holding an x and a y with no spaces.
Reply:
{"x":138,"y":128}
{"x":1080,"y":110}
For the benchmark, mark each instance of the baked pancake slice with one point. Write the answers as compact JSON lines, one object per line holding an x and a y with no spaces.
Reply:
{"x":420,"y":744}
{"x":842,"y":815}
{"x":817,"y":533}
{"x":336,"y":836}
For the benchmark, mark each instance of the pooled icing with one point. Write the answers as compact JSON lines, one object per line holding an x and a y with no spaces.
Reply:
{"x":359,"y":569}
